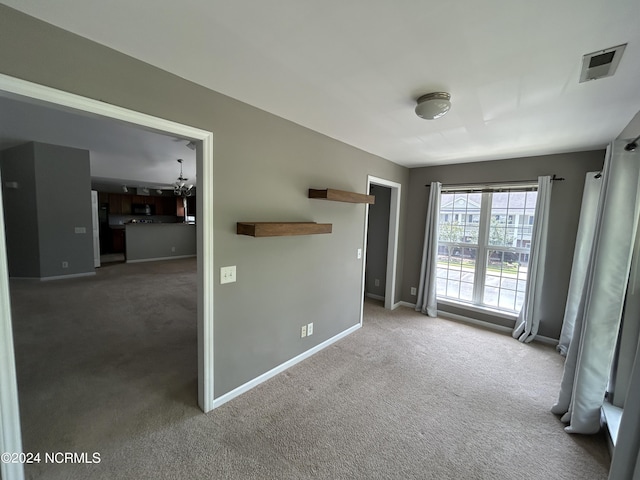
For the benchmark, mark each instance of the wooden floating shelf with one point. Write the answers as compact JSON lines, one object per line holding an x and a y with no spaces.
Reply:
{"x":281,"y":229}
{"x":341,"y":196}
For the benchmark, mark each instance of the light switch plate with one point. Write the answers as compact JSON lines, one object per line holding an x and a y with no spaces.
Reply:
{"x":228,"y":274}
{"x":359,"y":255}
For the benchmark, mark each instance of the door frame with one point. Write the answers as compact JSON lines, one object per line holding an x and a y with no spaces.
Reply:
{"x":22,"y":90}
{"x":392,"y":249}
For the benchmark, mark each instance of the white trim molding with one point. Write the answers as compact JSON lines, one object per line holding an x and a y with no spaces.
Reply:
{"x":206,"y":283}
{"x":402,"y":303}
{"x":10,"y":435}
{"x":281,"y":368}
{"x":392,"y":251}
{"x":479,"y":309}
{"x":493,"y":326}
{"x":374,"y":296}
{"x":546,"y":340}
{"x":63,"y":277}
{"x":158,"y":259}
{"x":473,"y":321}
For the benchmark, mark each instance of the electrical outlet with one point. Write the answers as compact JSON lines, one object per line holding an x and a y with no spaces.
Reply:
{"x":359,"y":253}
{"x":303,"y":331}
{"x":310,"y":329}
{"x":376,"y":282}
{"x":173,"y":249}
{"x":65,"y":264}
{"x":413,"y":291}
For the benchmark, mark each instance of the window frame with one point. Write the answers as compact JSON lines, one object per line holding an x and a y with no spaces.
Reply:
{"x":482,"y":245}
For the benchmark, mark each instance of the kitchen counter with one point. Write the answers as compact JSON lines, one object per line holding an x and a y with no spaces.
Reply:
{"x":159,"y":241}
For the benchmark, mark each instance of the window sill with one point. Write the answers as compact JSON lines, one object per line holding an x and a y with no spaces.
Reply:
{"x":476,"y":308}
{"x":610,"y":417}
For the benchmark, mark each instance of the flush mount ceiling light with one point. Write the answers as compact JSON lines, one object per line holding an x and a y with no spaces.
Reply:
{"x":181,"y":187}
{"x":433,"y":105}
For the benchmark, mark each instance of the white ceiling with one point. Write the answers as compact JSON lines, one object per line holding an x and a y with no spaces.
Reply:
{"x":352,"y":70}
{"x":119,"y":154}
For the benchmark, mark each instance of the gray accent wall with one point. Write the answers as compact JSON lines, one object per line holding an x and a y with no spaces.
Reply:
{"x":52,"y":201}
{"x":263,"y":167}
{"x":566,"y":200}
{"x":20,"y":206}
{"x":378,"y":241}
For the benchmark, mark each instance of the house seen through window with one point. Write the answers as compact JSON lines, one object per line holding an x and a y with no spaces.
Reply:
{"x":483,"y":247}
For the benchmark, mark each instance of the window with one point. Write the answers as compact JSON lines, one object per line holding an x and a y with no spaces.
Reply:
{"x":483,"y":248}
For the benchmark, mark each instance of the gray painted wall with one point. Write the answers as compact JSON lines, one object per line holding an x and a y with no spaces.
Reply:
{"x":52,"y":199}
{"x":566,"y":199}
{"x":159,"y":240}
{"x":378,"y":241}
{"x":21,"y":222}
{"x":263,"y":166}
{"x":63,"y":191}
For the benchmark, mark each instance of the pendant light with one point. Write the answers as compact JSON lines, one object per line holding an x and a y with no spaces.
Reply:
{"x":181,"y":187}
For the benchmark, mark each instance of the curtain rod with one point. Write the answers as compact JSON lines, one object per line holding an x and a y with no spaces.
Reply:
{"x":554,"y":178}
{"x":632,"y":145}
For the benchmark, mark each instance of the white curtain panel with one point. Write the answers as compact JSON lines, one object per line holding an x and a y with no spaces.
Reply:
{"x":427,"y":303}
{"x":590,"y":354}
{"x":582,"y":254}
{"x":526,"y":327}
{"x":625,"y":464}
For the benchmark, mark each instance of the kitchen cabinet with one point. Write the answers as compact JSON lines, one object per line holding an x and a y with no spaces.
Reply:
{"x":159,"y":203}
{"x":125,"y":204}
{"x":191,"y":206}
{"x":115,"y":204}
{"x":165,"y":205}
{"x":121,"y":204}
{"x":140,"y":199}
{"x":117,"y":240}
{"x":179,"y":207}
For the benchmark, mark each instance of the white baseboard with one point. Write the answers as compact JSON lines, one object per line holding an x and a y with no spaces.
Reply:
{"x":546,"y":340}
{"x":402,"y":303}
{"x":473,"y":321}
{"x":493,"y":326}
{"x":177,"y":257}
{"x":280,"y":368}
{"x":374,"y":296}
{"x":63,"y":277}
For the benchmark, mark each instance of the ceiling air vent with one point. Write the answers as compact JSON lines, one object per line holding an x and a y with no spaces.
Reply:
{"x":600,"y":64}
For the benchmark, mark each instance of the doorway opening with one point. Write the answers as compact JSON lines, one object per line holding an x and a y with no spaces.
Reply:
{"x":375,"y":276}
{"x":24,"y":91}
{"x":385,"y":251}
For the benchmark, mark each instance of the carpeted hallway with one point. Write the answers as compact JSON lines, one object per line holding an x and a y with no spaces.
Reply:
{"x":108,"y":364}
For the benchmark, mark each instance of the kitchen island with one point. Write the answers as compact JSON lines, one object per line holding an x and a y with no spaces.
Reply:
{"x":146,"y":242}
